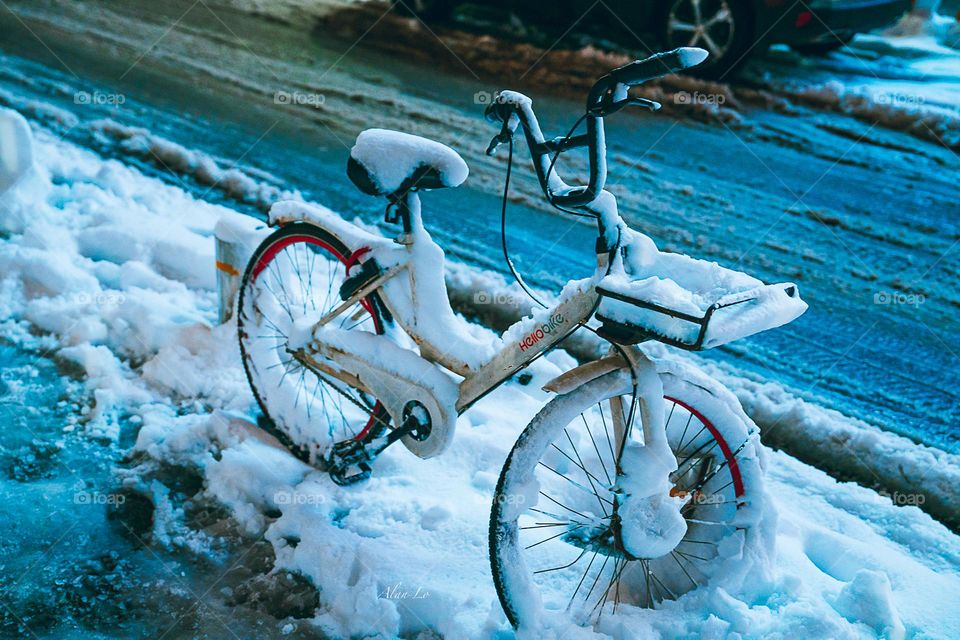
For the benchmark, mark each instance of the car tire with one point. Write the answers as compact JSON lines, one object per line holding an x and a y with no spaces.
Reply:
{"x":729,"y":29}
{"x":823,"y":47}
{"x":424,"y":9}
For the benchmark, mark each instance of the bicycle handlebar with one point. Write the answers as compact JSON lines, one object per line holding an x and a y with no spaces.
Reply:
{"x":609,"y":94}
{"x":661,"y":64}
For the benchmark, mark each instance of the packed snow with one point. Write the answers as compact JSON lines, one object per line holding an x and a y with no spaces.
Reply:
{"x":391,"y":158}
{"x":114,"y":271}
{"x":690,"y":287}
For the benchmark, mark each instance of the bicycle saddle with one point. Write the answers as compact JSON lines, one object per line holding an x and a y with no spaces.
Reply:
{"x":386,"y":162}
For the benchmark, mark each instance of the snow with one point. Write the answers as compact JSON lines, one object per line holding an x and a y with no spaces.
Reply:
{"x":200,"y":166}
{"x":393,"y":157}
{"x":850,"y":563}
{"x":16,"y":154}
{"x":913,"y":471}
{"x":691,"y":56}
{"x":423,"y":316}
{"x":690,"y":286}
{"x":906,"y":79}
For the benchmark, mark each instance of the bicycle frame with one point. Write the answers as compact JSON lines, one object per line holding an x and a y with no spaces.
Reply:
{"x":401,"y":284}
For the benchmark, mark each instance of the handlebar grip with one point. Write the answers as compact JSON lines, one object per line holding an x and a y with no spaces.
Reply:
{"x":492,"y":113}
{"x":658,"y":65}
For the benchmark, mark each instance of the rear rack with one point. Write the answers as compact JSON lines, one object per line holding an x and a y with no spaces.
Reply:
{"x":629,"y":333}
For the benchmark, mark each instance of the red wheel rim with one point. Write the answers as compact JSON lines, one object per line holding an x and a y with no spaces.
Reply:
{"x":348,"y":261}
{"x":721,"y":442}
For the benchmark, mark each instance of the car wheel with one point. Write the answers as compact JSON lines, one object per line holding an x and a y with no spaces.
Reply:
{"x":723,"y":27}
{"x":822,"y":47}
{"x":424,"y":9}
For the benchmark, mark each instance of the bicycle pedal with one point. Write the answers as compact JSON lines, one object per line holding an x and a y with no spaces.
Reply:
{"x":347,"y":455}
{"x":344,"y":479}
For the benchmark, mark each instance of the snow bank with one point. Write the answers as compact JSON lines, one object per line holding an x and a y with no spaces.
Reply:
{"x":883,"y":105}
{"x":404,"y":553}
{"x":910,"y":473}
{"x":118,"y":268}
{"x":174,"y":157}
{"x":907,"y":79}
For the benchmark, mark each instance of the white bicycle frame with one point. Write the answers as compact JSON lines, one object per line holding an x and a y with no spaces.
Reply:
{"x":412,"y":287}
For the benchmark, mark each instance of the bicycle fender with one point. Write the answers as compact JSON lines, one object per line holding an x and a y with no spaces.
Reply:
{"x":570,"y":380}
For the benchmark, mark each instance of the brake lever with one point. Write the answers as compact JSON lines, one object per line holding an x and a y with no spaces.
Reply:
{"x":505,"y":135}
{"x":495,"y":144}
{"x":608,"y":108}
{"x":649,"y":105}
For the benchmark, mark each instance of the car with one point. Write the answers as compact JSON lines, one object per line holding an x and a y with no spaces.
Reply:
{"x":729,"y":29}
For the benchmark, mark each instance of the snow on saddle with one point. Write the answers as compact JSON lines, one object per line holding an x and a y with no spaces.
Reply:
{"x":386,"y":162}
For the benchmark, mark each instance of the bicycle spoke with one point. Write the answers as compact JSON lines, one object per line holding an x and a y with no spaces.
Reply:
{"x":576,"y":484}
{"x":562,"y":533}
{"x":544,"y":525}
{"x":563,"y":566}
{"x":673,"y":554}
{"x":657,"y":580}
{"x":567,"y":456}
{"x":553,"y":515}
{"x":597,"y":579}
{"x":564,"y":506}
{"x":577,"y":453}
{"x":613,"y":457}
{"x":614,"y":577}
{"x":690,"y":555}
{"x":684,"y":434}
{"x":582,"y":578}
{"x":597,"y":449}
{"x":702,"y":483}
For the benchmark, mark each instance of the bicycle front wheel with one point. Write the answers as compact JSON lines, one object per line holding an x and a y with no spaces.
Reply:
{"x":294,"y":278}
{"x":553,"y":544}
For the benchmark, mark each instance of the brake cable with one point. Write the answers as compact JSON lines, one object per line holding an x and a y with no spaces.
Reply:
{"x":553,"y":162}
{"x":503,"y":230}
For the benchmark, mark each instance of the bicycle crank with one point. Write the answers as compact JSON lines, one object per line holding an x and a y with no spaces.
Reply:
{"x":349,"y":461}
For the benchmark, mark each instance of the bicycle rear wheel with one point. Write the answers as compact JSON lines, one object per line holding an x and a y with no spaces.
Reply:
{"x":552,"y":546}
{"x":294,"y":278}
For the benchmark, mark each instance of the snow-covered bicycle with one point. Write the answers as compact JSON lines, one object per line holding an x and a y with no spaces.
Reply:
{"x":639,"y":481}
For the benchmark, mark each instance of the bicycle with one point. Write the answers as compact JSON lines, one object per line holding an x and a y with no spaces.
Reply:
{"x":350,"y":344}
